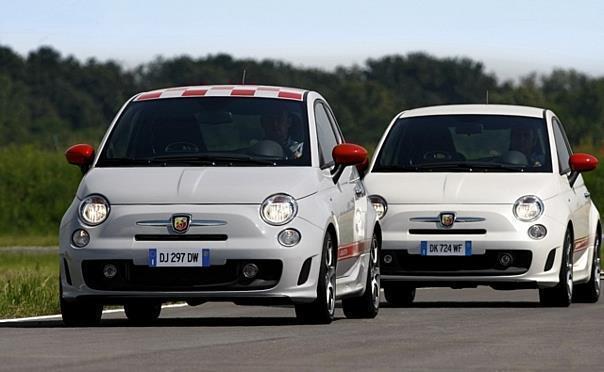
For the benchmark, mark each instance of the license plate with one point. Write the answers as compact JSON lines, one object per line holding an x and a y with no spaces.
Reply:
{"x":446,"y":248}
{"x":182,"y":257}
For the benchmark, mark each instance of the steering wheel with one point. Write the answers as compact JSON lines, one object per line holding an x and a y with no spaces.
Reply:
{"x":181,"y":147}
{"x":437,"y":155}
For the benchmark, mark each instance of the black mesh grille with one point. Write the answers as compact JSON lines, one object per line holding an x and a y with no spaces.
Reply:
{"x":184,"y":237}
{"x":447,"y":231}
{"x":225,"y":277}
{"x":487,"y":264}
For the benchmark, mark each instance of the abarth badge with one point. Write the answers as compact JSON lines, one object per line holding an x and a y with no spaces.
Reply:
{"x":181,"y":223}
{"x":447,"y":219}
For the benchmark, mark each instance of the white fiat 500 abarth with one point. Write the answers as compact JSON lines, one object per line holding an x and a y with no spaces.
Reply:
{"x":484,"y":195}
{"x":220,"y":193}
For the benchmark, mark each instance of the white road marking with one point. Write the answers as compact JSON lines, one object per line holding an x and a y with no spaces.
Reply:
{"x":58,"y":316}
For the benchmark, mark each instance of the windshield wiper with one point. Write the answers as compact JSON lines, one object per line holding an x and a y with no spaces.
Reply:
{"x":395,"y":168}
{"x":214,"y":158}
{"x":122,"y":162}
{"x":470,"y":166}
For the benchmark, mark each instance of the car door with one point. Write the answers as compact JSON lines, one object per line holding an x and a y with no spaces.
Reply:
{"x":341,"y":193}
{"x":357,"y":188}
{"x":575,"y":190}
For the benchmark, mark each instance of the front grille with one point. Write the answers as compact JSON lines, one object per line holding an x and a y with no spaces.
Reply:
{"x":183,"y":237}
{"x":225,"y":277}
{"x":486,"y":264}
{"x":447,"y":231}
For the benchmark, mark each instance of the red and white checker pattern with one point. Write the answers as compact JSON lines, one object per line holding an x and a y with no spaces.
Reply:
{"x":224,"y":91}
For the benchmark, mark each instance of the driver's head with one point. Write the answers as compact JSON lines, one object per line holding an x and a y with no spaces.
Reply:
{"x":523,"y":139}
{"x":276,"y":126}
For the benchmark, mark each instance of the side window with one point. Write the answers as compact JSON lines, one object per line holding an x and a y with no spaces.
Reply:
{"x":335,"y":125}
{"x":325,"y":135}
{"x":562,"y":146}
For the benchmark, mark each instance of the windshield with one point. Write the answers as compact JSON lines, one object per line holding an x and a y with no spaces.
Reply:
{"x":209,"y":131}
{"x":466,"y":143}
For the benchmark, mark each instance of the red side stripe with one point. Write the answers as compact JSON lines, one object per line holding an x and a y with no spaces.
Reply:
{"x":243,"y":92}
{"x":194,"y":92}
{"x":581,"y":243}
{"x":290,"y":95}
{"x":151,"y":95}
{"x":353,"y":249}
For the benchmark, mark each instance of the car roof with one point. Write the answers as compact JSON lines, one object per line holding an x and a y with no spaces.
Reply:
{"x":224,"y":91}
{"x":484,"y":109}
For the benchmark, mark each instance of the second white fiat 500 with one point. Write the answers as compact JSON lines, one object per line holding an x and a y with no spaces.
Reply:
{"x":485,"y":195}
{"x":238,"y":193}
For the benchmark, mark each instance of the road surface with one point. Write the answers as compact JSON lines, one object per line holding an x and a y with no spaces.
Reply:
{"x":446,"y":329}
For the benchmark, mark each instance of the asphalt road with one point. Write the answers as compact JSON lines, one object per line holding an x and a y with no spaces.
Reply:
{"x":470,"y":329}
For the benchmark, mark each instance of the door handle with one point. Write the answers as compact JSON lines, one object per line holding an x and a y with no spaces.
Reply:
{"x":587,"y":195}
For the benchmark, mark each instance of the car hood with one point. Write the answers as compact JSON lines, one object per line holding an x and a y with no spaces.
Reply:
{"x":460,"y":188}
{"x":211,"y":185}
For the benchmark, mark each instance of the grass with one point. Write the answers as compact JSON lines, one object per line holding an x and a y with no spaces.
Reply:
{"x":29,"y":284}
{"x":36,"y":188}
{"x":28,"y":240}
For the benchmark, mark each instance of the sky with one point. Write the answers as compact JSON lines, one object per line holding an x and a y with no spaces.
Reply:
{"x":512,"y":38}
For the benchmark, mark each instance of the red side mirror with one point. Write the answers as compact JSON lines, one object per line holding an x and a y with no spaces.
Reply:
{"x":583,"y":162}
{"x":362,"y":167}
{"x":349,"y":154}
{"x":81,"y":155}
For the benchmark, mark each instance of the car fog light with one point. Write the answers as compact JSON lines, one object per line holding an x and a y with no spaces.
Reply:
{"x":387,"y":259}
{"x":289,"y":237}
{"x":109,"y":271}
{"x":80,"y":238}
{"x":537,"y":232}
{"x":505,"y":259}
{"x":250,"y":271}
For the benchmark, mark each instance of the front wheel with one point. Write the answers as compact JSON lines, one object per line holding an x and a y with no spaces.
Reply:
{"x":142,"y":313}
{"x":322,"y":309}
{"x":399,"y":295}
{"x":368,"y":305}
{"x":78,"y":313}
{"x":562,"y":294}
{"x":590,"y":291}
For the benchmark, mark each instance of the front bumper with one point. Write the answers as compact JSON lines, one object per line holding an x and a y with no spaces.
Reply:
{"x":286,"y":274}
{"x":534,"y":263}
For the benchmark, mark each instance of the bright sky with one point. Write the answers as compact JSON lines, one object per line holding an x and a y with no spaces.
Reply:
{"x":512,"y":38}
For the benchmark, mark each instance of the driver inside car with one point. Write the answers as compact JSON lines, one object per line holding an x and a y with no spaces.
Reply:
{"x":280,"y":128}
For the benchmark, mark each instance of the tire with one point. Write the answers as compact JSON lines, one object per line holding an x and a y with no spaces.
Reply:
{"x":562,"y":294}
{"x":142,"y":312}
{"x":590,"y":292}
{"x":399,"y":295}
{"x":78,"y":313}
{"x":367,"y":306}
{"x":322,"y":309}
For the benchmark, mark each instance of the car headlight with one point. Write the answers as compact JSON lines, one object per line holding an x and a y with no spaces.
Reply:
{"x":278,"y":209}
{"x":94,"y":209}
{"x":379,"y":204}
{"x":528,"y":208}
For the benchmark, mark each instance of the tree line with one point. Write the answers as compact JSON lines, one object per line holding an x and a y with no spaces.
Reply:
{"x":51,"y":100}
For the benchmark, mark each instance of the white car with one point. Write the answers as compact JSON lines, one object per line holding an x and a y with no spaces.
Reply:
{"x":220,"y":193}
{"x":491,"y":195}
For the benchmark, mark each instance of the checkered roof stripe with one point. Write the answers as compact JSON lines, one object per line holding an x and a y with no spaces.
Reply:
{"x":224,"y":91}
